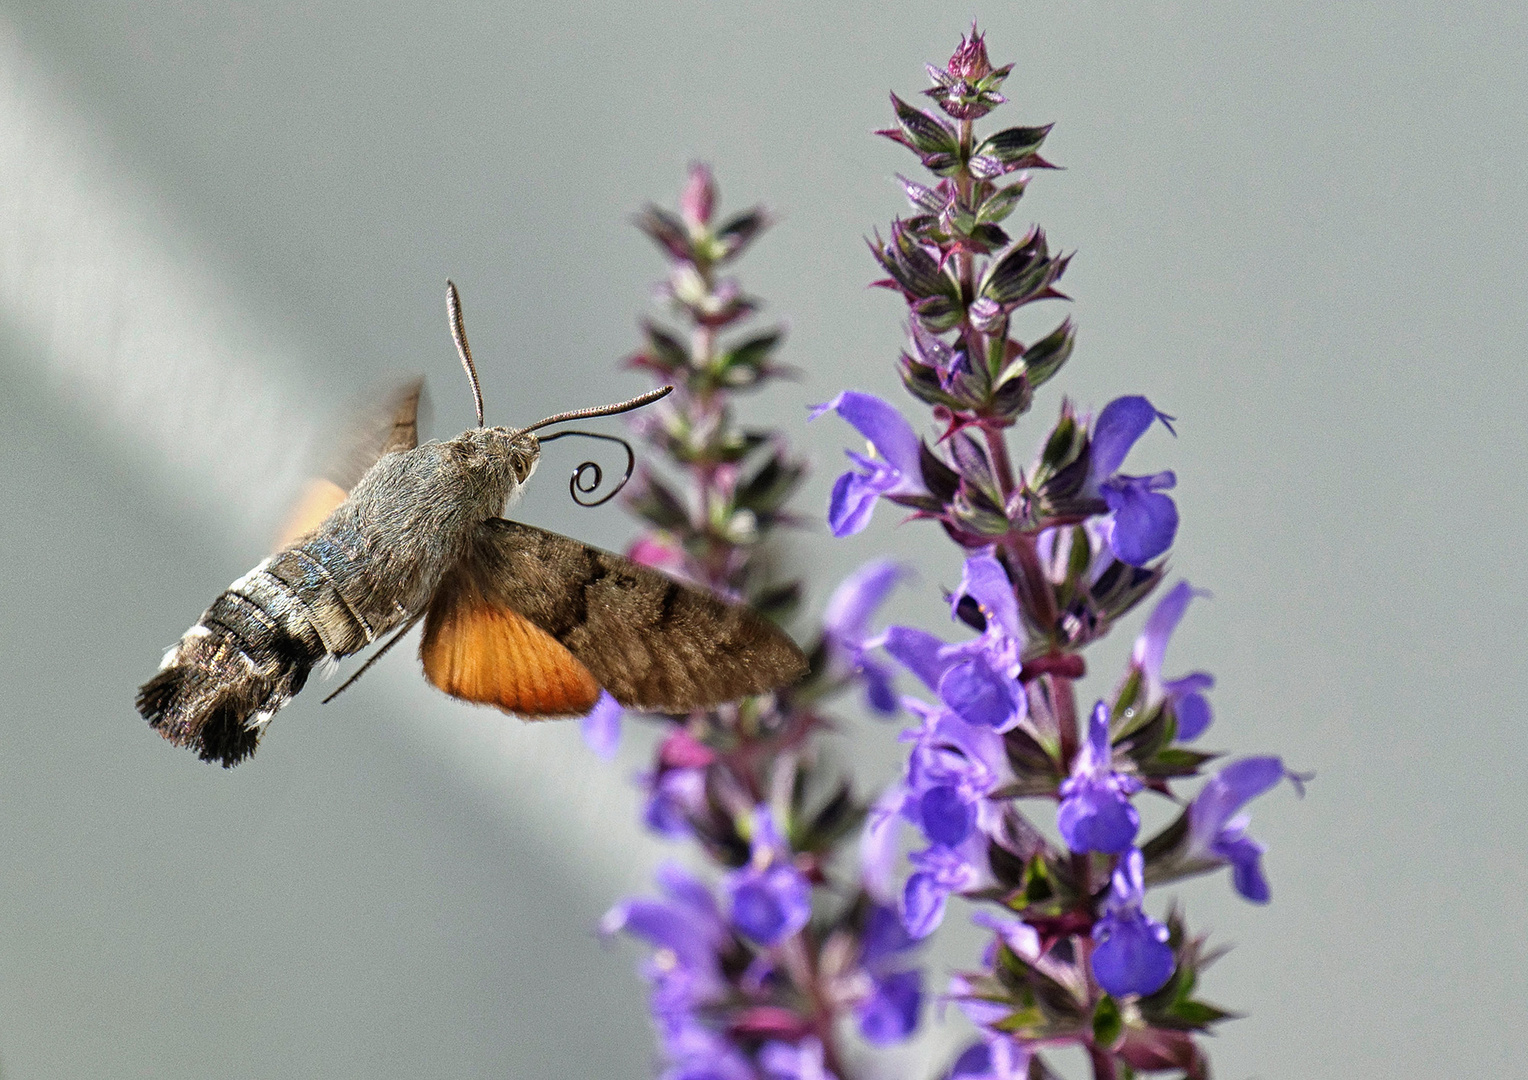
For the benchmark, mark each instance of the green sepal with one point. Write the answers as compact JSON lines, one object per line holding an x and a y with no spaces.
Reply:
{"x":1015,"y":146}
{"x":940,"y":313}
{"x":997,"y":206}
{"x":767,"y":489}
{"x":1108,"y":1024}
{"x":1045,"y":357}
{"x":926,"y":133}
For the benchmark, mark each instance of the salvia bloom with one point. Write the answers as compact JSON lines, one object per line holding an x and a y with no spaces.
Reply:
{"x":1052,"y":554}
{"x":758,"y":968}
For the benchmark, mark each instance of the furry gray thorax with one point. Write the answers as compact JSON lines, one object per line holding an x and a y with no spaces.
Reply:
{"x":411,"y":517}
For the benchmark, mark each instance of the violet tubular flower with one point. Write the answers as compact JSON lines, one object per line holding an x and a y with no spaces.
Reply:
{"x":1185,"y":695}
{"x":894,"y":469}
{"x":1095,"y":812}
{"x":846,"y":628}
{"x":1132,"y":954}
{"x":1145,"y":520}
{"x":770,"y":899}
{"x":1217,"y":833}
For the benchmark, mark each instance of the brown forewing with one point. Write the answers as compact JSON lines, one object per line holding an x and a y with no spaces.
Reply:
{"x":654,"y":643}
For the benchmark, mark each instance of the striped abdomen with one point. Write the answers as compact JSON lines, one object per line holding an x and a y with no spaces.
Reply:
{"x":253,"y":648}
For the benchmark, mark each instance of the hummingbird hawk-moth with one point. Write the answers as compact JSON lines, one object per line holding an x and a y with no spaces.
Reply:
{"x":514,"y":616}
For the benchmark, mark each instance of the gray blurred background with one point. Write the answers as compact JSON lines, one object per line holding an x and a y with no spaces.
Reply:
{"x":1300,"y":229}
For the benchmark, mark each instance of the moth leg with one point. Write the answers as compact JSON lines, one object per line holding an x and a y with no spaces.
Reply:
{"x":375,"y":657}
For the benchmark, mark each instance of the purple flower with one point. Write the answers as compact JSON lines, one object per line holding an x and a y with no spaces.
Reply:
{"x":698,"y":1053}
{"x":978,"y":680}
{"x":895,"y":471}
{"x":1145,"y":520}
{"x":938,"y":872}
{"x":952,"y":767}
{"x":889,"y":1013}
{"x":672,"y":796}
{"x":803,"y":1061}
{"x":770,"y":898}
{"x":601,"y":728}
{"x":1218,"y":834}
{"x":688,"y":935}
{"x":996,"y":1057}
{"x":1132,"y":955}
{"x":846,"y":628}
{"x":1095,"y":812}
{"x":1185,"y":695}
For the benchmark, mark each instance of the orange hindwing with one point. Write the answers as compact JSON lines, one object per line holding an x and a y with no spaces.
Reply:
{"x":483,"y":652}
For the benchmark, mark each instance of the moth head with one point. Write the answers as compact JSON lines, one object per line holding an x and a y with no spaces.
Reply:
{"x":519,"y":448}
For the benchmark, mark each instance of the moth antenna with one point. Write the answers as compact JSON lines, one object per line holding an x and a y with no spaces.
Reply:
{"x":601,"y":410}
{"x":459,"y":335}
{"x":588,"y":477}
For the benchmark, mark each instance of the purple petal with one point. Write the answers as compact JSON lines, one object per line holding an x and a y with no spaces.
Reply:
{"x":1246,"y":858}
{"x":673,"y":794}
{"x":984,"y":580}
{"x":918,"y":651}
{"x":880,"y":693}
{"x":769,"y":906}
{"x":995,"y":1058}
{"x":1151,"y":646}
{"x":923,"y":900}
{"x":1194,"y":716}
{"x":857,"y":597}
{"x":1132,"y":956}
{"x":883,"y":938}
{"x":664,"y":925}
{"x":890,"y":1013}
{"x":981,"y":696}
{"x":1145,"y":521}
{"x":851,"y":504}
{"x":685,"y":888}
{"x":601,"y":728}
{"x":878,"y":843}
{"x":883,"y":426}
{"x":1096,"y":816}
{"x":799,"y":1061}
{"x":1123,"y":421}
{"x":1227,"y":792}
{"x":945,"y":815}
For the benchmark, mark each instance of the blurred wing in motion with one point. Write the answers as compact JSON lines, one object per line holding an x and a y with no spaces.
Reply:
{"x":391,"y":424}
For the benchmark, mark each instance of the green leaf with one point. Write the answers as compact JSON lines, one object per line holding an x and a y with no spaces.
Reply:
{"x":664,"y":348}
